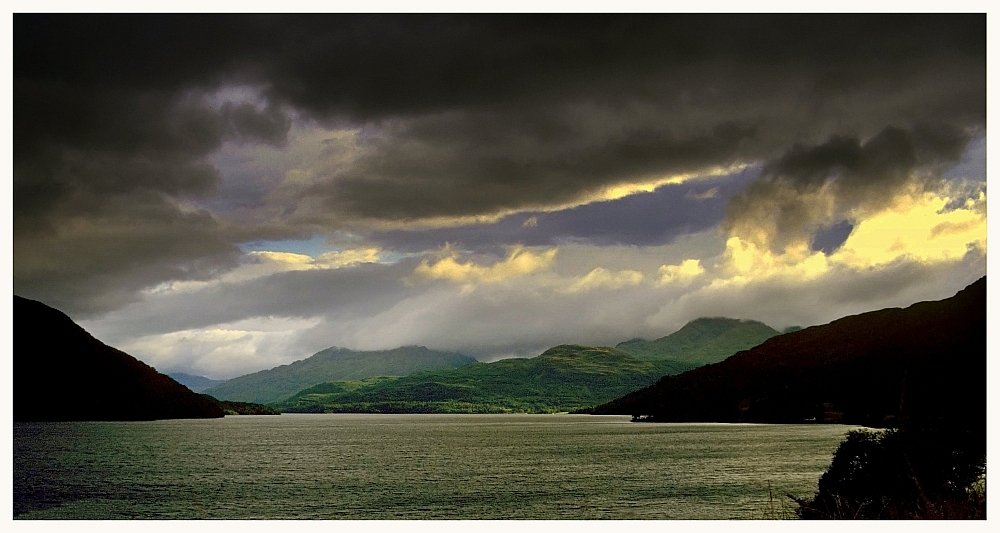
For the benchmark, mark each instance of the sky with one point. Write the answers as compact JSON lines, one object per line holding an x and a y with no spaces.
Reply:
{"x":223,"y":194}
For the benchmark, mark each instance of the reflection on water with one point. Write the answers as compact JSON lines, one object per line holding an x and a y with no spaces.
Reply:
{"x":413,"y":467}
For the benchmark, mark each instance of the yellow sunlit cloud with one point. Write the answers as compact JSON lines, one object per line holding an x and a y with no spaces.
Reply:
{"x":286,"y":258}
{"x":918,"y":228}
{"x":519,"y":262}
{"x":601,"y":278}
{"x":348,"y":257}
{"x":682,"y":273}
{"x":282,"y":261}
{"x":265,"y":263}
{"x":915,"y":227}
{"x":747,"y":262}
{"x":622,"y":190}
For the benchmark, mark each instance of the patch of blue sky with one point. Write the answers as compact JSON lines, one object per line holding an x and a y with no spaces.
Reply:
{"x":313,"y":247}
{"x":972,"y":167}
{"x":644,"y":219}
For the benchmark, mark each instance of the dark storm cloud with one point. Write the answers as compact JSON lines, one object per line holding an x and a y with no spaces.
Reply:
{"x":111,"y":129}
{"x":363,"y":67}
{"x":647,"y":219}
{"x":97,"y":176}
{"x":100,"y":262}
{"x":453,"y":171}
{"x":114,"y":116}
{"x":488,"y":114}
{"x":250,"y":124}
{"x":600,"y":98}
{"x":868,"y":175}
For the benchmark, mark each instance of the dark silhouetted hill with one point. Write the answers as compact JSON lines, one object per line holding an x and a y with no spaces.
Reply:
{"x":922,"y":366}
{"x":333,"y":364}
{"x":62,"y":373}
{"x":702,"y":341}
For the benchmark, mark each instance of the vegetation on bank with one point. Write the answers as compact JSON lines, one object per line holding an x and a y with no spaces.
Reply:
{"x":903,"y":474}
{"x":242,"y":408}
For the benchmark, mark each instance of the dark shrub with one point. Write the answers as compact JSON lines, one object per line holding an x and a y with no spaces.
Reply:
{"x":896,"y":474}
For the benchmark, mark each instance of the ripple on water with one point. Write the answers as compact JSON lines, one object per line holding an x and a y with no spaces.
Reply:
{"x":412,"y":467}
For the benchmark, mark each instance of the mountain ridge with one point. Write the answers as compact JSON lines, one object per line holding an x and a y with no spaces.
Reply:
{"x":877,"y":369}
{"x":194,"y":382}
{"x":702,"y":341}
{"x":563,"y":378}
{"x":70,"y":375}
{"x":333,"y":364}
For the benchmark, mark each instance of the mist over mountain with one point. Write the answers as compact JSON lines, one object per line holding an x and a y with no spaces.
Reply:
{"x":333,"y":364}
{"x":61,"y":372}
{"x":195,"y":383}
{"x":924,"y":365}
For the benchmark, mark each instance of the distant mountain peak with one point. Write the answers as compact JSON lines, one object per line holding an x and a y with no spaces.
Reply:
{"x":334,"y":364}
{"x":923,"y":365}
{"x":720,"y":322}
{"x":702,"y":341}
{"x":194,"y":382}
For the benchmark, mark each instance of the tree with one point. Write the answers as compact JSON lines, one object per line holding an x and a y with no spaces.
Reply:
{"x":928,"y":473}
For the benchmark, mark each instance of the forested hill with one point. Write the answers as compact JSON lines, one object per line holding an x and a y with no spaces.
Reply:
{"x":563,"y":378}
{"x":924,"y":365}
{"x":61,"y":372}
{"x":333,"y":364}
{"x":702,"y":341}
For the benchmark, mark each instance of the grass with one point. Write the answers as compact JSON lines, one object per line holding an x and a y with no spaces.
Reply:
{"x":774,"y":508}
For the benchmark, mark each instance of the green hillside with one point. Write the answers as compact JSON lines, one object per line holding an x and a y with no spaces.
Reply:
{"x":702,"y":341}
{"x":564,"y":378}
{"x":333,"y":364}
{"x":922,"y":366}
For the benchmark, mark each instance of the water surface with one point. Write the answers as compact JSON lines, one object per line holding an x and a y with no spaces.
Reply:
{"x":332,"y":466}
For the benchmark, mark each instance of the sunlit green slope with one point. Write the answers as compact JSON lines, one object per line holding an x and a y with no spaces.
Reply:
{"x":702,"y":341}
{"x":333,"y":364}
{"x":564,"y":378}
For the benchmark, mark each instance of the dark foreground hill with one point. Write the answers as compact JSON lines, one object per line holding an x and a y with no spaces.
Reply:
{"x":923,"y":366}
{"x":333,"y":364}
{"x":61,"y":372}
{"x":702,"y":341}
{"x":564,"y":378}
